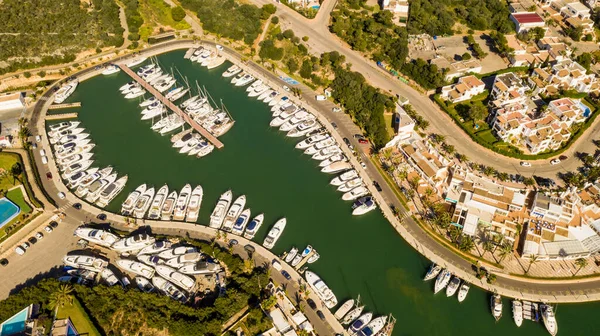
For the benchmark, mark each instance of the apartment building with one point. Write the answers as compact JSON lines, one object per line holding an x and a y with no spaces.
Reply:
{"x":431,"y":166}
{"x":570,"y":75}
{"x":465,"y":89}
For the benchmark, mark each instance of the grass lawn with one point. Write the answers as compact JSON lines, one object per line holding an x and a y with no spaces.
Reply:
{"x":388,"y":124}
{"x":7,"y":160}
{"x":16,"y":196}
{"x":79,"y":318}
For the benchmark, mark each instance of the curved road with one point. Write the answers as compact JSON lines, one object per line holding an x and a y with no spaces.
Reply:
{"x":321,"y":40}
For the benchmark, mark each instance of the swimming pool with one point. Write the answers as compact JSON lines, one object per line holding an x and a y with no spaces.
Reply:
{"x":316,"y":7}
{"x":15,"y":324}
{"x":8,"y":211}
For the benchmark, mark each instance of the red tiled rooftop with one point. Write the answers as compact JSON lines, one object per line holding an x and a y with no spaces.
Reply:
{"x":527,"y":18}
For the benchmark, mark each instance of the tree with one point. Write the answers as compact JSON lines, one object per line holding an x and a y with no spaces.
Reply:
{"x":581,"y":263}
{"x":42,"y":73}
{"x":292,"y":65}
{"x":477,"y":111}
{"x":288,"y":34}
{"x":269,"y":9}
{"x":585,"y":59}
{"x":466,"y":56}
{"x":448,"y":149}
{"x":532,"y":260}
{"x":529,"y":181}
{"x":466,"y":243}
{"x":491,"y":278}
{"x":505,"y":251}
{"x":275,"y":20}
{"x":62,"y":297}
{"x":268,"y":50}
{"x":306,"y":69}
{"x":574,"y":33}
{"x":15,"y":171}
{"x":269,"y":302}
{"x":177,"y":13}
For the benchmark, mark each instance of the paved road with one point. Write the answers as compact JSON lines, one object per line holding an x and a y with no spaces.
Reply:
{"x":321,"y":40}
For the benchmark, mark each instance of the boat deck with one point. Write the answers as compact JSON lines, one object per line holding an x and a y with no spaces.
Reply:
{"x":531,"y":311}
{"x":304,"y":260}
{"x":211,"y":138}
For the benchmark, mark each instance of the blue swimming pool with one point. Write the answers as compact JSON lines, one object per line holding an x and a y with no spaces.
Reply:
{"x":316,"y":7}
{"x":8,"y":211}
{"x":15,"y":324}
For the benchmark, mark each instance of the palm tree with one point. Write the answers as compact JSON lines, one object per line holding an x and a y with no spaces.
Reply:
{"x":454,"y":233}
{"x":61,"y":297}
{"x":581,"y":263}
{"x":505,"y":251}
{"x":466,"y":243}
{"x":428,"y":192}
{"x":16,"y":171}
{"x":532,"y":260}
{"x":487,"y":246}
{"x":402,"y":174}
{"x":414,"y":182}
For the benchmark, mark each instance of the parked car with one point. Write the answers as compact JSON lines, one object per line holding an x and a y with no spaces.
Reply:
{"x":286,"y":275}
{"x":49,"y":175}
{"x":311,"y":304}
{"x":347,"y":142}
{"x":25,"y":245}
{"x":359,"y":136}
{"x":77,"y":206}
{"x":61,"y":195}
{"x":3,"y":262}
{"x":19,"y":250}
{"x":39,"y":235}
{"x":101,"y":216}
{"x":54,"y":224}
{"x":219,"y":47}
{"x":555,"y":161}
{"x":48,"y":229}
{"x":336,"y":109}
{"x":320,"y":97}
{"x":525,"y":164}
{"x":334,"y":125}
{"x":377,"y":186}
{"x":38,"y":138}
{"x":321,"y":315}
{"x":32,"y":240}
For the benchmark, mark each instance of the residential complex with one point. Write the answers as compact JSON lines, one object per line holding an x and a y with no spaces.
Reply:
{"x":465,"y":89}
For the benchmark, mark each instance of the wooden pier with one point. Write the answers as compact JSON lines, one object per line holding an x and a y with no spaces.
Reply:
{"x":211,"y":138}
{"x":66,"y":105}
{"x":61,"y":116}
{"x":304,"y":260}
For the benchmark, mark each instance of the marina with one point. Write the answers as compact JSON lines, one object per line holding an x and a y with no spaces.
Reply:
{"x":316,"y":215}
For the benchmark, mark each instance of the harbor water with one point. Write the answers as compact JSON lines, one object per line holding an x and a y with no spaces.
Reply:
{"x":359,"y":255}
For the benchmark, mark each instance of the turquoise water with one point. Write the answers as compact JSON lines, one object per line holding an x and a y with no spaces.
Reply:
{"x":8,"y":211}
{"x":359,"y":255}
{"x":15,"y":324}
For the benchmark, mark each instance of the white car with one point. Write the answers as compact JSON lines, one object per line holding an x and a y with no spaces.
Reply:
{"x":48,"y":229}
{"x":219,"y":47}
{"x":287,"y":89}
{"x":38,"y":138}
{"x":61,"y":195}
{"x":555,"y":161}
{"x":39,"y":236}
{"x":19,"y":250}
{"x":525,"y":164}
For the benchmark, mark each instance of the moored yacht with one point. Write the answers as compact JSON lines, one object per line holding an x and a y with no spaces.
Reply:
{"x":253,"y":226}
{"x":344,"y":309}
{"x":432,"y":272}
{"x":374,"y":327}
{"x":353,"y":315}
{"x":131,"y":200}
{"x":157,"y":203}
{"x":144,"y":284}
{"x":336,"y":167}
{"x":496,"y":306}
{"x":240,"y":222}
{"x":97,"y":186}
{"x":86,"y":262}
{"x":149,"y":101}
{"x":182,"y":203}
{"x":219,"y":212}
{"x":291,"y":255}
{"x":355,"y":193}
{"x":244,"y":80}
{"x":143,"y":203}
{"x":463,"y":291}
{"x":111,"y":191}
{"x":327,"y":152}
{"x":311,"y":140}
{"x":96,"y":236}
{"x":232,"y":71}
{"x":304,"y":128}
{"x":363,"y":205}
{"x":274,"y":233}
{"x":65,"y":91}
{"x":360,"y":323}
{"x":201,"y":267}
{"x":321,"y":289}
{"x":133,"y":243}
{"x":194,"y":204}
{"x":136,"y":267}
{"x":167,"y":209}
{"x":442,"y":281}
{"x":453,"y":286}
{"x":254,"y":85}
{"x":185,"y":259}
{"x":549,"y":319}
{"x":517,"y":309}
{"x":169,"y":289}
{"x":157,"y":247}
{"x":179,"y":279}
{"x":237,"y":77}
{"x":74,"y":180}
{"x":82,"y":187}
{"x":136,"y":61}
{"x":177,"y":251}
{"x":233,"y":213}
{"x":333,"y":159}
{"x":111,"y":69}
{"x":345,"y":177}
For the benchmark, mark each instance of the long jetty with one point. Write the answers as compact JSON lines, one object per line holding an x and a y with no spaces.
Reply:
{"x":61,"y":116}
{"x":172,"y":106}
{"x":65,"y":105}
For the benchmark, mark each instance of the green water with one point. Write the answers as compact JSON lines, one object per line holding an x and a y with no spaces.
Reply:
{"x":359,"y":255}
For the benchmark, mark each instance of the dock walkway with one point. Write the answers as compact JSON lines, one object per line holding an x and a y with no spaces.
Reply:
{"x":65,"y":105}
{"x":211,"y":138}
{"x":61,"y":116}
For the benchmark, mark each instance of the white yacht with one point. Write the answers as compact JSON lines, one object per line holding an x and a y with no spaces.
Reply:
{"x":283,"y":117}
{"x":253,"y":226}
{"x":178,"y":279}
{"x":344,"y":309}
{"x":62,"y":125}
{"x":304,"y":128}
{"x":84,"y":184}
{"x":374,"y":327}
{"x":496,"y":306}
{"x":76,"y":167}
{"x":96,"y":236}
{"x":314,"y":257}
{"x":153,"y":113}
{"x":276,"y":103}
{"x":109,"y":277}
{"x":442,"y":281}
{"x":320,"y":288}
{"x":270,"y":97}
{"x":218,"y":214}
{"x":77,"y":138}
{"x":233,"y":213}
{"x":363,"y":205}
{"x":549,"y":319}
{"x":244,"y":80}
{"x":150,"y":260}
{"x":182,"y":203}
{"x":185,"y":139}
{"x":194,"y":204}
{"x":136,"y":267}
{"x":319,"y":146}
{"x":254,"y":85}
{"x":196,"y":54}
{"x":201,"y":267}
{"x":241,"y":222}
{"x":64,"y":163}
{"x":356,"y":182}
{"x":169,"y":289}
{"x":111,"y":69}
{"x":295,"y":120}
{"x":333,"y":159}
{"x":327,"y":152}
{"x":258,"y":90}
{"x":144,"y":284}
{"x":136,"y":61}
{"x":167,"y":209}
{"x":135,"y":94}
{"x":345,"y":177}
{"x":453,"y":286}
{"x":111,"y":191}
{"x":157,"y":203}
{"x":291,"y":255}
{"x":517,"y":309}
{"x":355,"y":193}
{"x":177,"y":251}
{"x":149,"y":101}
{"x":185,"y":259}
{"x":128,"y":86}
{"x":65,"y":91}
{"x":97,"y":186}
{"x":237,"y":77}
{"x":86,"y":262}
{"x":75,"y":150}
{"x":190,"y":144}
{"x":143,"y":203}
{"x":274,"y":233}
{"x":463,"y":291}
{"x":359,"y":323}
{"x":311,"y":141}
{"x":157,"y":247}
{"x":336,"y":167}
{"x":133,"y":243}
{"x":74,"y":180}
{"x":164,"y":86}
{"x":201,"y":149}
{"x":131,"y":200}
{"x":232,"y":71}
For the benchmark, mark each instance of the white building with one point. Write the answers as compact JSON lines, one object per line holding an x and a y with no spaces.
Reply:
{"x":526,"y":21}
{"x":466,"y":88}
{"x":12,"y":101}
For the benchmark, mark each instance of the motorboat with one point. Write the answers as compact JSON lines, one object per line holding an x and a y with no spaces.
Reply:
{"x":336,"y":167}
{"x":65,"y":91}
{"x":168,"y":206}
{"x":155,"y":105}
{"x":177,"y":251}
{"x":314,"y":257}
{"x":312,"y":140}
{"x":296,"y":119}
{"x":453,"y":286}
{"x":62,"y":126}
{"x":274,"y":233}
{"x":232,"y":71}
{"x":333,"y":159}
{"x":109,"y":277}
{"x":169,"y":289}
{"x":182,"y":260}
{"x":271,"y":97}
{"x":258,"y":90}
{"x":517,"y":309}
{"x":318,"y":146}
{"x":185,"y":139}
{"x":355,"y":193}
{"x":77,"y":167}
{"x":133,"y":243}
{"x":241,"y":222}
{"x":374,"y":327}
{"x":353,"y":315}
{"x":254,"y":85}
{"x":157,"y":203}
{"x":327,"y":152}
{"x":135,"y":94}
{"x":291,"y":255}
{"x":275,"y":103}
{"x":64,"y":163}
{"x":304,"y":128}
{"x":97,"y":186}
{"x":111,"y":191}
{"x":265,"y":94}
{"x":463,"y":291}
{"x":320,"y":288}
{"x":143,"y":203}
{"x":196,"y":54}
{"x":96,"y":236}
{"x":65,"y":148}
{"x":128,"y":86}
{"x":137,"y":61}
{"x":56,"y":136}
{"x":150,"y":260}
{"x":296,"y":260}
{"x":144,"y":284}
{"x":75,"y":180}
{"x":496,"y":306}
{"x":153,"y":113}
{"x":111,"y":69}
{"x":348,"y":186}
{"x":285,"y":111}
{"x":219,"y":212}
{"x":136,"y":267}
{"x":189,"y":145}
{"x":173,"y":125}
{"x":194,"y":204}
{"x":244,"y":80}
{"x":134,"y":88}
{"x":345,"y":177}
{"x":363,"y":205}
{"x":85,"y":274}
{"x":344,"y":309}
{"x":141,"y":71}
{"x":442,"y":281}
{"x":73,"y":138}
{"x":359,"y":323}
{"x":283,"y":117}
{"x":178,"y":279}
{"x":253,"y":226}
{"x":237,"y":77}
{"x":94,"y":264}
{"x":157,"y":247}
{"x":149,"y":101}
{"x":202,"y":149}
{"x":131,"y":200}
{"x":549,"y":319}
{"x":201,"y":267}
{"x":216,"y":62}
{"x":182,"y":203}
{"x":233,"y":213}
{"x":164,"y":86}
{"x":75,"y":280}
{"x":75,"y":150}
{"x":432,"y":272}
{"x":87,"y":181}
